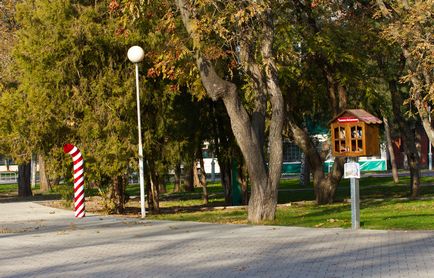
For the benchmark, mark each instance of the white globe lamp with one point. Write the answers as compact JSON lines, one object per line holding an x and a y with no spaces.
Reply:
{"x":136,"y":54}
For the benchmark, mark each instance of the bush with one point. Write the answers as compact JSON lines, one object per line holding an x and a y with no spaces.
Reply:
{"x":66,"y":192}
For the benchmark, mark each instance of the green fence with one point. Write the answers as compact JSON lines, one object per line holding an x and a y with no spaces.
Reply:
{"x":289,"y":168}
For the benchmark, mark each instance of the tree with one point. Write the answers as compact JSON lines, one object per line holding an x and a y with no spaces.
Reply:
{"x":8,"y":26}
{"x":257,"y":58}
{"x":408,"y":25}
{"x":78,"y":89}
{"x":408,"y":137}
{"x":322,"y":74}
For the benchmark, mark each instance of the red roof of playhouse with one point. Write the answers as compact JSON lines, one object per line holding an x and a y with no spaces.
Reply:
{"x":355,"y":115}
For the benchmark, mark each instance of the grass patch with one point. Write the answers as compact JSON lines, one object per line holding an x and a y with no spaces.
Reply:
{"x":8,"y":188}
{"x":237,"y":216}
{"x":389,"y":213}
{"x":213,"y":187}
{"x":403,"y":215}
{"x":406,"y":215}
{"x":370,"y":188}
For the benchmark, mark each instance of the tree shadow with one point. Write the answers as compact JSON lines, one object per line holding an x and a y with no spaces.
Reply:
{"x":163,"y":249}
{"x":35,"y":198}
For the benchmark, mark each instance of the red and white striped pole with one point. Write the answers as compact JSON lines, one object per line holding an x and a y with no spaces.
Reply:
{"x":78,"y":179}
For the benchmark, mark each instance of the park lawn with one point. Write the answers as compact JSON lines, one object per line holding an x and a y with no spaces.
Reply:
{"x":8,"y":188}
{"x":213,"y":187}
{"x":185,"y":199}
{"x":12,"y":188}
{"x":294,"y":183}
{"x":370,"y":188}
{"x":402,"y":215}
{"x":292,"y":191}
{"x":379,"y":208}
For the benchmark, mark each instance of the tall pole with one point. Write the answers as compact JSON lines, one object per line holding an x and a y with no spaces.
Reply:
{"x":212,"y":167}
{"x":355,"y":201}
{"x":33,"y":170}
{"x":429,"y":147}
{"x":139,"y":124}
{"x":136,"y":54}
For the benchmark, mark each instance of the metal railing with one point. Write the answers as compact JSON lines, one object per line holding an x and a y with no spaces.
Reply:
{"x":8,"y":177}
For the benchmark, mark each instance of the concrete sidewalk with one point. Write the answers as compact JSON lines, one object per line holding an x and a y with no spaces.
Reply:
{"x":37,"y":241}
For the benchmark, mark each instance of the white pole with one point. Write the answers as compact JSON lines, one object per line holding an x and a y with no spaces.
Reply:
{"x":136,"y":54}
{"x":429,"y":147}
{"x":33,"y":169}
{"x":212,"y":168}
{"x":139,"y":124}
{"x":355,"y":201}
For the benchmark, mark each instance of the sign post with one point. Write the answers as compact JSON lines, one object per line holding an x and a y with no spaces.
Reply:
{"x":429,"y":146}
{"x":352,"y":172}
{"x":355,"y":133}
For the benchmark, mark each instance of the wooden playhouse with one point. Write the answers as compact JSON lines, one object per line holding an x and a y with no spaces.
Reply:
{"x":355,"y":132}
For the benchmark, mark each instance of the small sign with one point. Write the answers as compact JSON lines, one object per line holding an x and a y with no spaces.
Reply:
{"x":351,"y":170}
{"x":348,"y":120}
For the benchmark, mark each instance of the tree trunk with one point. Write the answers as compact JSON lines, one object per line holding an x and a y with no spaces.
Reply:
{"x":163,"y":188}
{"x":118,"y":195}
{"x":155,"y":194}
{"x":390,"y":150}
{"x":324,"y":185}
{"x":196,"y":180}
{"x":24,"y":186}
{"x":242,"y":179}
{"x":43,"y":176}
{"x":152,"y":189}
{"x":225,"y":177}
{"x":55,"y":181}
{"x":263,"y":200}
{"x":177,"y":186}
{"x":304,"y":171}
{"x":408,"y":138}
{"x":331,"y":91}
{"x":149,"y":193}
{"x":203,"y":178}
{"x":424,"y":116}
{"x":342,"y":93}
{"x":188,"y":177}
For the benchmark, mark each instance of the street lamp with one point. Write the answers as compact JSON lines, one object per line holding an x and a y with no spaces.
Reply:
{"x":136,"y":54}
{"x":430,"y":147}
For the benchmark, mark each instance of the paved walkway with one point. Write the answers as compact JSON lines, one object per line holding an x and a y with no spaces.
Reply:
{"x":37,"y":241}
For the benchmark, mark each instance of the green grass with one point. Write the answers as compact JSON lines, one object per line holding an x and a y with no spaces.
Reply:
{"x":8,"y":188}
{"x":386,"y":214}
{"x":220,"y":216}
{"x":213,"y":187}
{"x":370,"y":188}
{"x":12,"y":189}
{"x":389,"y":213}
{"x":404,"y":215}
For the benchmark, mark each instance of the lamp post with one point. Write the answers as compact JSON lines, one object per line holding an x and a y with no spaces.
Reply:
{"x":429,"y":147}
{"x":135,"y":55}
